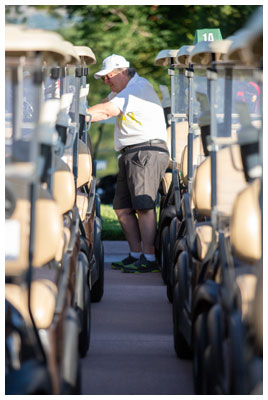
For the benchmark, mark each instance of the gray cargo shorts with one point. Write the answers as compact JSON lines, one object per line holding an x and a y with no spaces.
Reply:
{"x":141,"y":168}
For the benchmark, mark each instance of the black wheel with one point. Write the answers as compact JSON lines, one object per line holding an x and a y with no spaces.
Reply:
{"x":170,"y":270}
{"x":83,"y":305}
{"x":238,"y":346}
{"x":173,"y":230}
{"x":164,"y":252}
{"x":206,"y":388}
{"x":169,"y":291}
{"x":199,"y":344}
{"x":98,"y":287}
{"x":70,"y":374}
{"x":219,"y":371}
{"x":77,"y":389}
{"x":180,"y":345}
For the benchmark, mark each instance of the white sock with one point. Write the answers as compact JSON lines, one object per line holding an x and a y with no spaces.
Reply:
{"x":135,"y":254}
{"x":150,"y":257}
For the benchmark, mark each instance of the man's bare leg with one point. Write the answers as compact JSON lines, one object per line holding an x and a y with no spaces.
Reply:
{"x":147,"y":225}
{"x":130,"y":226}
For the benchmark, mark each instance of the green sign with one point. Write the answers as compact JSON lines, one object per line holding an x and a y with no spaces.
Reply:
{"x":207,"y":35}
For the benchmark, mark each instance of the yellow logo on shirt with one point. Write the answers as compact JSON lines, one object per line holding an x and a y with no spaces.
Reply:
{"x":123,"y":118}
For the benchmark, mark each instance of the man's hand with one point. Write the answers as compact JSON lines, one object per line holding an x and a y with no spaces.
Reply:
{"x":103,"y":111}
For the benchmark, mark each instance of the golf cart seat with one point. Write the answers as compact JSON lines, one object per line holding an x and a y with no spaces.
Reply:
{"x":198,"y":154}
{"x":84,"y":165}
{"x":246,"y":237}
{"x":63,"y":187}
{"x":230,"y":181}
{"x":181,"y":140}
{"x":43,"y":301}
{"x":245,"y":233}
{"x":203,"y":240}
{"x":48,"y":229}
{"x":48,"y":236}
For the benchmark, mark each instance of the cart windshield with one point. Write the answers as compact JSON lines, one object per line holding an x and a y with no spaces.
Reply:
{"x":237,"y":100}
{"x":20,"y":114}
{"x":180,"y":93}
{"x":200,"y":91}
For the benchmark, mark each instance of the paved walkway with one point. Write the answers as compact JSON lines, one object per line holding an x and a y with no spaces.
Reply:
{"x":131,"y":351}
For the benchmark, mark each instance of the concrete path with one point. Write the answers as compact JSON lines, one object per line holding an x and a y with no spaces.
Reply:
{"x":131,"y":351}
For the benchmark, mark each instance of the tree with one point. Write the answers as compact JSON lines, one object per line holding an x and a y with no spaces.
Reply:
{"x":139,"y":32}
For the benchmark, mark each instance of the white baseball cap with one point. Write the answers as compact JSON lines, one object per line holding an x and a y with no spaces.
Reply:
{"x":110,"y":63}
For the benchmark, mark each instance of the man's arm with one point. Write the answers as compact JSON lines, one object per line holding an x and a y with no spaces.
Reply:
{"x":103,"y":111}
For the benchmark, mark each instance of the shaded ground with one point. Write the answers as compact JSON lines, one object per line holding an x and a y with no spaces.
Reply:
{"x":131,"y":350}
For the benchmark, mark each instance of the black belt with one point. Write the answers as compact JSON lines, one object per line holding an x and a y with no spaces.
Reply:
{"x":148,"y":143}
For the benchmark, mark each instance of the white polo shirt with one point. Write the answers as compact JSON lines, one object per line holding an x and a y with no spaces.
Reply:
{"x":143,"y":116}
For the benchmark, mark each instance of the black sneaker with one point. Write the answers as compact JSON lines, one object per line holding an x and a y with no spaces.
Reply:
{"x":141,"y":265}
{"x":126,"y":261}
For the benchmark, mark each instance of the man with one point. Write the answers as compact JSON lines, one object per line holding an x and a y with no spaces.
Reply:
{"x":140,"y":137}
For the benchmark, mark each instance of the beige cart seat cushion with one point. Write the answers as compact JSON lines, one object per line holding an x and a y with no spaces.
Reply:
{"x":166,"y":182}
{"x":247,"y":286}
{"x":230,"y":181}
{"x":64,"y":188}
{"x":43,"y":300}
{"x":181,"y":129}
{"x":84,"y":163}
{"x":82,"y":204}
{"x":198,"y":154}
{"x":203,"y":240}
{"x":48,"y":230}
{"x":245,"y":233}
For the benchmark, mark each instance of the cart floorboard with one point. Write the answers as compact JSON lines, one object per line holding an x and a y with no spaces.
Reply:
{"x":131,"y":351}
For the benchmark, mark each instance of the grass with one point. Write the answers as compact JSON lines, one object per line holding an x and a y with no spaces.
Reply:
{"x":111,"y":228}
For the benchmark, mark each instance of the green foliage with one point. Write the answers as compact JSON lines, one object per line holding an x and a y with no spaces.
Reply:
{"x":111,"y":228}
{"x":139,"y":32}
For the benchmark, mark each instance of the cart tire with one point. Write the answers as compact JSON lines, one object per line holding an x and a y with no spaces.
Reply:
{"x":200,"y":340}
{"x":180,"y":345}
{"x":164,"y":253}
{"x":70,"y":361}
{"x":98,"y":287}
{"x":83,"y":307}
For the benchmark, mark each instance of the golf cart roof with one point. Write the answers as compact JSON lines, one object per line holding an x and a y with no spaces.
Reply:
{"x":183,"y":55}
{"x":86,"y":53}
{"x":247,"y":46}
{"x":164,"y":57}
{"x":202,"y":51}
{"x":20,"y":40}
{"x":73,"y":57}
